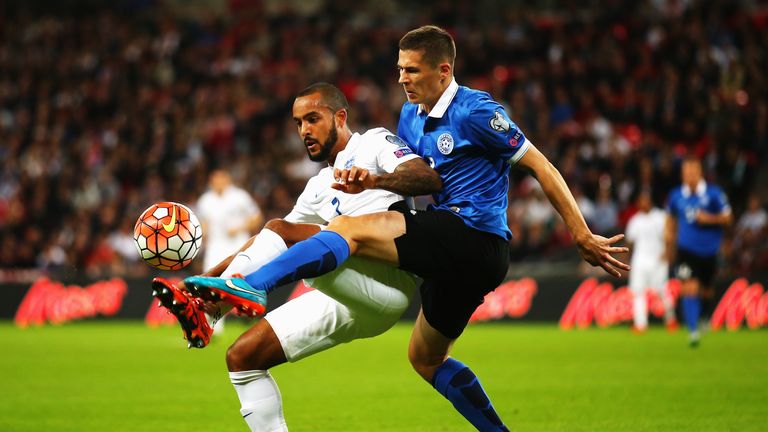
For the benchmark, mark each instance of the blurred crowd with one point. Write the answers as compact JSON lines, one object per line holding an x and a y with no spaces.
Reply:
{"x":108,"y":108}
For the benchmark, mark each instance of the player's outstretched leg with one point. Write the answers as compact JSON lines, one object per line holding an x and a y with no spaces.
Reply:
{"x":313,"y":257}
{"x":191,"y":318}
{"x":233,"y":290}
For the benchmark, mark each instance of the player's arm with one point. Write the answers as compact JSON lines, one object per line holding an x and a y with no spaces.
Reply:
{"x":720,"y":214}
{"x":411,"y":178}
{"x":706,"y":218}
{"x":596,"y":250}
{"x":670,"y":234}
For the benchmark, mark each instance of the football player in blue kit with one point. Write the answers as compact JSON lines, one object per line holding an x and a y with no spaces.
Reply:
{"x":459,"y":245}
{"x":697,"y":214}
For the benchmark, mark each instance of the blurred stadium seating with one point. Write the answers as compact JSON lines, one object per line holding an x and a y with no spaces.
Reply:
{"x":107,"y":107}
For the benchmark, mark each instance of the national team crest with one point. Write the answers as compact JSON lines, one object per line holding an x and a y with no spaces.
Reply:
{"x":349,"y":163}
{"x":499,"y":123}
{"x":445,"y":143}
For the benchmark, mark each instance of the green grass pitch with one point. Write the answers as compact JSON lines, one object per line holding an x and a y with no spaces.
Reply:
{"x":123,"y":376}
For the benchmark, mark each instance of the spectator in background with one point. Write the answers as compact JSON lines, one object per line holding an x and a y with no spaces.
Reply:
{"x":749,"y":247}
{"x":697,"y":213}
{"x":142,"y":98}
{"x":606,"y":216}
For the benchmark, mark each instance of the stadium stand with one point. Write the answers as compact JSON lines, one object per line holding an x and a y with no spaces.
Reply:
{"x":105,"y":110}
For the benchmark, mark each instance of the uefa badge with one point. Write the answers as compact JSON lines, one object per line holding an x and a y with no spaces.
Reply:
{"x":445,"y":143}
{"x":499,"y":123}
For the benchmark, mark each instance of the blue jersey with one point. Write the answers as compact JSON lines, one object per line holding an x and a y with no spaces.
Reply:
{"x":702,"y":240}
{"x":470,"y":141}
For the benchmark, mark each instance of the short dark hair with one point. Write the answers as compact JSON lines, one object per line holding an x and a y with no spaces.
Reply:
{"x":331,"y":95}
{"x":436,"y":44}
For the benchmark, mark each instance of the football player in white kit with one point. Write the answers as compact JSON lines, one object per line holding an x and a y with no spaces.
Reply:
{"x":650,"y":266}
{"x":229,"y":216}
{"x":363,"y":298}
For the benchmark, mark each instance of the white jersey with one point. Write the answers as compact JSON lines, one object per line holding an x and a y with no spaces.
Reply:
{"x":362,"y":298}
{"x":219,"y":212}
{"x":646,"y":232}
{"x":377,"y":150}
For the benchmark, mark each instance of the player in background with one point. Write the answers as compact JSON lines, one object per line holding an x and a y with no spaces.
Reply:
{"x":650,"y":268}
{"x":229,"y":216}
{"x":697,"y":212}
{"x":363,"y":298}
{"x":459,"y":245}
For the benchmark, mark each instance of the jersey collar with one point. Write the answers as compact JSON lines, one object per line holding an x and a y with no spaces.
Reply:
{"x":701,"y":189}
{"x":445,"y":100}
{"x":353,"y":141}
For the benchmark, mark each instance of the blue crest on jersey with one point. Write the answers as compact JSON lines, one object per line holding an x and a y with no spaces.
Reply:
{"x":445,"y":143}
{"x":349,"y":163}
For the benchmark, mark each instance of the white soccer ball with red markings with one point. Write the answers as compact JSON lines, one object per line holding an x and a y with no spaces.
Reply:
{"x":168,"y":235}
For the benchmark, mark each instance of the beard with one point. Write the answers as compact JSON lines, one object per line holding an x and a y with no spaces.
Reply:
{"x":325,"y":147}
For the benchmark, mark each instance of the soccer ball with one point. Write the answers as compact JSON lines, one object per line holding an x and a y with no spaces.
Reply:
{"x":168,"y":235}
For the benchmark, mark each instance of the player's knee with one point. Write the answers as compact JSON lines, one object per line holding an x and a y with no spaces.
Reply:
{"x":236,"y":358}
{"x":276,"y":225}
{"x":244,"y":356}
{"x":425,"y":366}
{"x":689,"y":287}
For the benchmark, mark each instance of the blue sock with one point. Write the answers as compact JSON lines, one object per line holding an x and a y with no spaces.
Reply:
{"x":454,"y":380}
{"x":312,"y":257}
{"x":691,"y":310}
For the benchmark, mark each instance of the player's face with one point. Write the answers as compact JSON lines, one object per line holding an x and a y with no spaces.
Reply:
{"x":644,"y":203}
{"x":691,"y":171}
{"x":219,"y":181}
{"x":316,"y":125}
{"x":421,"y":80}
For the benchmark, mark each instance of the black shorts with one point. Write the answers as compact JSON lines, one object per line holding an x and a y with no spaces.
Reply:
{"x":459,"y":265}
{"x":688,"y":265}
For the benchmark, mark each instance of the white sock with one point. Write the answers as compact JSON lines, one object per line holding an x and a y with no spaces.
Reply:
{"x":260,"y":401}
{"x":640,"y":309}
{"x":266,"y":246}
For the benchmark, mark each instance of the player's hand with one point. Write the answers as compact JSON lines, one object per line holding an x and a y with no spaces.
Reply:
{"x":353,"y":180}
{"x":598,"y":251}
{"x":705,"y":218}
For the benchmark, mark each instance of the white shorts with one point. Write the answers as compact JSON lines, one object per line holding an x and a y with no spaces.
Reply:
{"x":652,"y":274}
{"x":361,"y":299}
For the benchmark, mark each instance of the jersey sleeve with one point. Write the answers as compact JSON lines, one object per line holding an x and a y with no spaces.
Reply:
{"x":632,"y":230}
{"x":489,"y":127}
{"x":720,"y":202}
{"x":201,"y":209}
{"x":392,"y":151}
{"x":403,"y":124}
